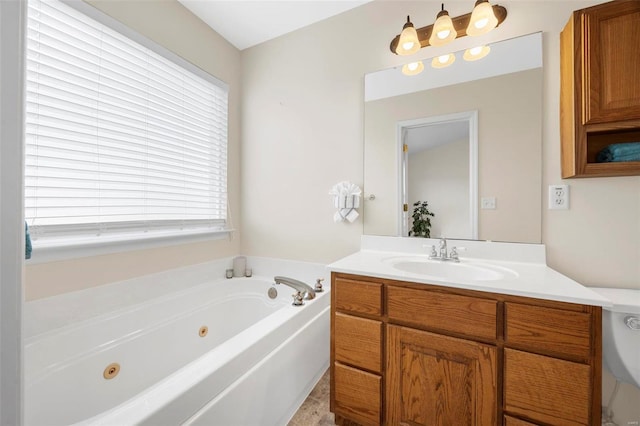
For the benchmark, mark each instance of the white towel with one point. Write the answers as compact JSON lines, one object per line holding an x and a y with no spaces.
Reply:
{"x":346,"y":198}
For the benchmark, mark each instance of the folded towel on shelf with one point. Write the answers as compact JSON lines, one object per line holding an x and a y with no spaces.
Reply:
{"x":27,"y":248}
{"x":628,"y":151}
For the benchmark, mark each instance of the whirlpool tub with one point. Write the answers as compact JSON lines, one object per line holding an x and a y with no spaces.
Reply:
{"x":220,"y":353}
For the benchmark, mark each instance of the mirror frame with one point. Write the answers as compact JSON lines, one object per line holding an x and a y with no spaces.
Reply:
{"x":471,"y":118}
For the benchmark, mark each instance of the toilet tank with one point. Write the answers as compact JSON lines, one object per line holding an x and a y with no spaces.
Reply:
{"x":621,"y":333}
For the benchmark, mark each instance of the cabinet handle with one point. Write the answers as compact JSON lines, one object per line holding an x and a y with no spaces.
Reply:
{"x":632,"y":322}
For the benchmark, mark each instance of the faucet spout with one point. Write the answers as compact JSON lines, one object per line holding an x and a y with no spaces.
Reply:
{"x":297,"y":285}
{"x":443,"y":248}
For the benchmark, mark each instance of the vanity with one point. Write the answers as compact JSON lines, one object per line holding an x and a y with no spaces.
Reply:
{"x":496,"y":339}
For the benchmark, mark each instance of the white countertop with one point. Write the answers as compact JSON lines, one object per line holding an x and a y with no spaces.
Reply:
{"x":529,"y":279}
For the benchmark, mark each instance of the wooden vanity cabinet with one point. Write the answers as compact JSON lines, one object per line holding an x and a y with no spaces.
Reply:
{"x":599,"y":87}
{"x":417,"y":354}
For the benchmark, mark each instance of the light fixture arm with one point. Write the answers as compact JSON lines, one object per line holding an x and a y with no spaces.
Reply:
{"x":460,"y":23}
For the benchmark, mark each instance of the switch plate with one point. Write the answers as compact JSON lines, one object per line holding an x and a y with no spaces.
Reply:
{"x":558,"y":197}
{"x":488,"y":203}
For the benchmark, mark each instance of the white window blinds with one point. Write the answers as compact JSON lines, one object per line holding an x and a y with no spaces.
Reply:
{"x":119,"y":139}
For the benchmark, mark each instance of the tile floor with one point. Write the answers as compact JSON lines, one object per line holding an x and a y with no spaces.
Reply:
{"x":314,"y":411}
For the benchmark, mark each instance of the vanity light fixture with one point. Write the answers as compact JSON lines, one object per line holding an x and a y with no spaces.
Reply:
{"x":413,"y":68}
{"x":443,"y":61}
{"x":483,"y":19}
{"x":443,"y":31}
{"x":476,"y":53}
{"x":408,"y":42}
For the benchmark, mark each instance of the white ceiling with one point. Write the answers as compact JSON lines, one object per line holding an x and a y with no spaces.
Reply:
{"x":431,"y":135}
{"x":245,"y":23}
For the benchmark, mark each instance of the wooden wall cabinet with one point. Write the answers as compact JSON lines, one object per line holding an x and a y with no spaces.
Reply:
{"x":599,"y":87}
{"x":415,"y":354}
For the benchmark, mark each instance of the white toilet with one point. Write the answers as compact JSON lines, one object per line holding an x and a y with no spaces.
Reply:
{"x":621,"y":334}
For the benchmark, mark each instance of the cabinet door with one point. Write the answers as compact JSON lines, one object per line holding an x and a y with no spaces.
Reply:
{"x":438,"y":380}
{"x":610,"y":44}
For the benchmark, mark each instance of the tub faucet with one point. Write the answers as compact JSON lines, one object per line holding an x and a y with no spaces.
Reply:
{"x":299,"y":286}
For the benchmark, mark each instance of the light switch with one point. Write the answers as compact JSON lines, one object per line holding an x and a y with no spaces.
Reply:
{"x":488,"y":203}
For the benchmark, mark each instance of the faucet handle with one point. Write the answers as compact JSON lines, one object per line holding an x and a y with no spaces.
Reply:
{"x":454,"y":253}
{"x":318,"y":287}
{"x":433,"y":253}
{"x":298,"y":298}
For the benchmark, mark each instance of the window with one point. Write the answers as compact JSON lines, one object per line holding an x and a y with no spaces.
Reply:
{"x":121,"y":142}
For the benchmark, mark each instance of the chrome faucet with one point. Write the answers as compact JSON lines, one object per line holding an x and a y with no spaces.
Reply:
{"x":442,"y":254}
{"x":300,"y":287}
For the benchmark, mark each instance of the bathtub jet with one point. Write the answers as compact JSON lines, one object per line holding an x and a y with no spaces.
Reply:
{"x":300,"y":287}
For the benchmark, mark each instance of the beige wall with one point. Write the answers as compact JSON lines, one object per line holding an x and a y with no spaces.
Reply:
{"x":302,"y":115}
{"x":171,"y":25}
{"x":303,"y":131}
{"x":509,"y":152}
{"x":440,"y":175}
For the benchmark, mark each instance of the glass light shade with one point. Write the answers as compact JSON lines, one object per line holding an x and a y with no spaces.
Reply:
{"x":482,"y":19}
{"x":443,"y":61}
{"x":413,"y":68}
{"x":476,"y":53}
{"x":408,"y":42}
{"x":443,"y":31}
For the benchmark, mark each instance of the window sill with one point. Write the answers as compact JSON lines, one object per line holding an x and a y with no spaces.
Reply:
{"x":56,"y":250}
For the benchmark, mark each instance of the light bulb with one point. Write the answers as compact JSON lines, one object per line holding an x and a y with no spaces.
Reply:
{"x":476,"y":53}
{"x":413,"y":68}
{"x":481,"y":23}
{"x":443,"y":31}
{"x":443,"y":61}
{"x":408,"y":42}
{"x":443,"y":34}
{"x":482,"y":19}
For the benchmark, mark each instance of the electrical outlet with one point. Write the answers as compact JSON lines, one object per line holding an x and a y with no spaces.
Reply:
{"x":488,"y":203}
{"x":558,"y":197}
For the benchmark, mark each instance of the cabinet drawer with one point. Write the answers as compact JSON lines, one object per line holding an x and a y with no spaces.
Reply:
{"x":357,"y":395}
{"x":546,"y":389}
{"x":469,"y":316}
{"x":512,"y":421}
{"x":549,"y":330}
{"x":358,"y":296}
{"x":358,"y":341}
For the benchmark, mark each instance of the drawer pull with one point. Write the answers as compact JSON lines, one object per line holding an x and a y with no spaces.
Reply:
{"x":632,"y":322}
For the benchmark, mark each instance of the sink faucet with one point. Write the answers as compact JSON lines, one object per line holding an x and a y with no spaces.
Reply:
{"x":442,"y":254}
{"x":300,"y":287}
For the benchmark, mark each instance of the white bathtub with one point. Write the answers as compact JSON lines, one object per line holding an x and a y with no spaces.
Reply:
{"x":255,"y":366}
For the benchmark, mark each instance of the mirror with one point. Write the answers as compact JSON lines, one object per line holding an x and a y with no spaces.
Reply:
{"x":440,"y":164}
{"x":500,"y":196}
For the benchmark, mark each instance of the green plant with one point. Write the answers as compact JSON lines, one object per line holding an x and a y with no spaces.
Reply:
{"x":421,"y":220}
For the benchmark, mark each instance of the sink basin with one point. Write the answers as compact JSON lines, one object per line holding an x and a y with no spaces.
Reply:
{"x":463,"y":271}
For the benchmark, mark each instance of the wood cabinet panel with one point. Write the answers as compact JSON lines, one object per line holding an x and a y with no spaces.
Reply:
{"x":469,"y":316}
{"x":357,"y":395}
{"x":612,"y":87}
{"x":512,"y":421}
{"x":566,"y":333}
{"x":357,"y":296}
{"x":546,"y":389}
{"x":437,"y":380}
{"x":358,"y":342}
